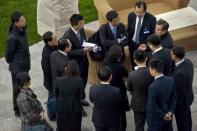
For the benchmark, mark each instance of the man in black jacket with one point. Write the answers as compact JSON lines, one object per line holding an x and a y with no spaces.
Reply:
{"x":158,"y":52}
{"x":17,"y":52}
{"x":59,"y":59}
{"x":161,"y":99}
{"x":113,"y":32}
{"x":161,"y":30}
{"x":50,"y":41}
{"x":107,"y":101}
{"x":140,"y":25}
{"x":76,"y":35}
{"x":138,"y":83}
{"x":183,"y":76}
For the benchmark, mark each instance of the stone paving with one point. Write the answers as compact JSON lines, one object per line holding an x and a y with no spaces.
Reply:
{"x":8,"y":122}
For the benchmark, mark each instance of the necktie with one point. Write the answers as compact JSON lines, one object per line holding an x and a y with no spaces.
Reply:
{"x":114,"y":32}
{"x":78,"y":36}
{"x":138,"y":30}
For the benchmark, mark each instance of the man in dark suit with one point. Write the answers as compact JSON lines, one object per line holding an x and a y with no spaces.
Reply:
{"x":183,"y":77}
{"x":106,"y":100}
{"x":140,"y":25}
{"x":17,"y":52}
{"x":50,"y":41}
{"x":161,"y":30}
{"x":161,"y":99}
{"x":59,"y":59}
{"x":138,"y":83}
{"x":113,"y":32}
{"x":76,"y":35}
{"x":158,"y":52}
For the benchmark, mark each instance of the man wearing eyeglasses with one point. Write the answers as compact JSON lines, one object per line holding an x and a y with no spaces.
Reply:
{"x":140,"y":25}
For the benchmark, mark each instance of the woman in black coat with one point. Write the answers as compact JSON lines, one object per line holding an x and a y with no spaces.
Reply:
{"x":69,"y":90}
{"x":118,"y":73}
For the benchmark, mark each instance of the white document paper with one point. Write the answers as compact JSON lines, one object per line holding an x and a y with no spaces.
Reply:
{"x":87,"y":44}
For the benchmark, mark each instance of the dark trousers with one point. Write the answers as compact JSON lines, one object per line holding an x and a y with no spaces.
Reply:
{"x":123,"y":121}
{"x":139,"y":118}
{"x":132,"y":48}
{"x":106,"y":129}
{"x":48,"y":84}
{"x":83,"y":66}
{"x":183,"y":117}
{"x":164,"y":127}
{"x":15,"y":92}
{"x":69,"y":121}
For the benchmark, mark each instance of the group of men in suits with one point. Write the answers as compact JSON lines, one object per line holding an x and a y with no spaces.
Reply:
{"x":156,"y":97}
{"x":149,"y":42}
{"x":153,"y":91}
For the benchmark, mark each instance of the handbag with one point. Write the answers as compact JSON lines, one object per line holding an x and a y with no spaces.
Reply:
{"x":98,"y":55}
{"x":52,"y":108}
{"x":37,"y":127}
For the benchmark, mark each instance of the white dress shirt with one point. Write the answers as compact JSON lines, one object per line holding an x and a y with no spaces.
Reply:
{"x":159,"y":76}
{"x":178,"y":63}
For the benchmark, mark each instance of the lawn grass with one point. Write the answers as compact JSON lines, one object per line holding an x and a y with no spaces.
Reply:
{"x":28,"y":7}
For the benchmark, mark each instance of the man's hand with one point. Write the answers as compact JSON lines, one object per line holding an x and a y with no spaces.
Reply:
{"x":142,"y":47}
{"x":42,"y":115}
{"x":88,"y":49}
{"x":168,"y":116}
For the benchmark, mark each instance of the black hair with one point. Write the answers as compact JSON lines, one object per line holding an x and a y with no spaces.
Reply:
{"x":75,"y":18}
{"x":47,"y":36}
{"x":157,"y":65}
{"x":140,"y":4}
{"x":104,"y":73}
{"x":115,"y":52}
{"x":22,"y":78}
{"x":179,"y":52}
{"x":15,"y":16}
{"x":111,"y":15}
{"x":62,"y":44}
{"x":72,"y":68}
{"x":139,"y":56}
{"x":154,"y":40}
{"x":163,"y":23}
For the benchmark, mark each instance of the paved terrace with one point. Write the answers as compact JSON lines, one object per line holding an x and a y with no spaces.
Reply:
{"x":8,"y":122}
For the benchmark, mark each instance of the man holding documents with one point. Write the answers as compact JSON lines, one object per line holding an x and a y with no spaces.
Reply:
{"x":113,"y":32}
{"x":77,"y":36}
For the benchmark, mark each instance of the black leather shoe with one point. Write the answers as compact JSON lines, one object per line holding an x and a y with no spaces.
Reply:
{"x":84,"y":114}
{"x":84,"y":103}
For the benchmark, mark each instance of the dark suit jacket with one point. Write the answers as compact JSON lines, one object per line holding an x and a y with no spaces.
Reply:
{"x":118,"y":73}
{"x":183,"y":76}
{"x":106,"y":110}
{"x":69,"y":90}
{"x":148,"y":24}
{"x":58,"y":62}
{"x":77,"y":52}
{"x":167,"y":41}
{"x":138,"y":83}
{"x":107,"y":38}
{"x":17,"y":50}
{"x":165,"y":56}
{"x":161,"y":99}
{"x":46,"y":66}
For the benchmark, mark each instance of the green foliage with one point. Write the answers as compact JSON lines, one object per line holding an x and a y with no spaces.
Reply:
{"x":28,"y":8}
